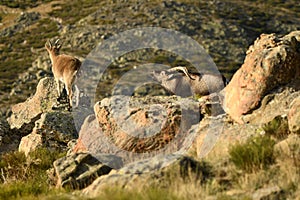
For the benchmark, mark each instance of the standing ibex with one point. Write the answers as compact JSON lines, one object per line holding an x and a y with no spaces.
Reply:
{"x":186,"y":84}
{"x":64,"y":68}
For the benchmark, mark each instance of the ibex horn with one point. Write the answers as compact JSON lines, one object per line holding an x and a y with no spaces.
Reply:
{"x":183,"y":69}
{"x":56,"y":42}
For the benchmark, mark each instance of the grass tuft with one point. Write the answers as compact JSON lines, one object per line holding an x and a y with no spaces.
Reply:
{"x":26,"y":176}
{"x":257,"y":153}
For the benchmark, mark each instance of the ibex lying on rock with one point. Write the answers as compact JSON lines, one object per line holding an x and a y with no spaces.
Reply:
{"x":187,"y":84}
{"x":64,"y":68}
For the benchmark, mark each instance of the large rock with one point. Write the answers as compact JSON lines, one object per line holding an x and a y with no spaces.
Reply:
{"x":161,"y":167}
{"x":103,"y":133}
{"x":146,"y":124}
{"x":138,"y":127}
{"x":277,"y":103}
{"x":25,"y":114}
{"x":58,"y":125}
{"x":30,"y":143}
{"x":92,"y":139}
{"x":216,"y":134}
{"x":79,"y":170}
{"x":39,"y":116}
{"x":53,"y":130}
{"x":270,"y":62}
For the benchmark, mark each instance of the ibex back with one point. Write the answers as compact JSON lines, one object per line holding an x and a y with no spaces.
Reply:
{"x":64,"y":68}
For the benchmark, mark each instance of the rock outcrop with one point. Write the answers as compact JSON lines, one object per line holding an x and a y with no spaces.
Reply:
{"x":53,"y":130}
{"x":130,"y":141}
{"x":271,"y":62}
{"x":26,"y":113}
{"x":43,"y":120}
{"x":118,"y":143}
{"x":269,"y":119}
{"x":161,"y":166}
{"x":30,"y":143}
{"x":139,"y":126}
{"x":214,"y":134}
{"x":80,"y":170}
{"x":145,"y":124}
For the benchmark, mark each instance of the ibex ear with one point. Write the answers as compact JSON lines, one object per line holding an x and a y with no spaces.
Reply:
{"x":48,"y":44}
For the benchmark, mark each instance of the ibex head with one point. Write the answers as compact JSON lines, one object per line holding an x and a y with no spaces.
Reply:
{"x":170,"y":74}
{"x":53,"y":47}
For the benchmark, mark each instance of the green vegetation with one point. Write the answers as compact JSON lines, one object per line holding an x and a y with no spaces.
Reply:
{"x":236,"y":175}
{"x":26,"y":178}
{"x":17,"y":56}
{"x":24,"y":46}
{"x":21,"y":176}
{"x":277,"y":128}
{"x":147,"y":194}
{"x":72,"y":11}
{"x":257,"y":153}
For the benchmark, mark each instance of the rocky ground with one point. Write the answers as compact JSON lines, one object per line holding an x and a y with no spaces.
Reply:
{"x":241,"y":143}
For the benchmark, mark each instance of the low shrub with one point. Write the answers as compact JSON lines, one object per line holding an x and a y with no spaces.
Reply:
{"x":255,"y":154}
{"x":26,"y":176}
{"x":277,"y":127}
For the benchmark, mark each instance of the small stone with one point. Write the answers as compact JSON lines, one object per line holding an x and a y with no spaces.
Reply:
{"x":267,"y":193}
{"x":30,"y":143}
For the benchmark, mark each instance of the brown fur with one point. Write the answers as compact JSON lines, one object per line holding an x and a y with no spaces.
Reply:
{"x":64,"y":68}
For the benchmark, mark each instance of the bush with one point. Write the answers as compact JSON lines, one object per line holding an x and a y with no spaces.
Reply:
{"x":257,"y":153}
{"x":26,"y":176}
{"x":277,"y":127}
{"x":19,"y":189}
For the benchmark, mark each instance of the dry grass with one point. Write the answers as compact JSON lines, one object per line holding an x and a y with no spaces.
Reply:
{"x":221,"y":180}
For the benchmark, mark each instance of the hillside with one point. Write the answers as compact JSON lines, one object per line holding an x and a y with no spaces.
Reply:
{"x":142,"y":129}
{"x":224,"y":28}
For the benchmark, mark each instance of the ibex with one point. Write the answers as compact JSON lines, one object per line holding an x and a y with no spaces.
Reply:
{"x":64,"y":68}
{"x":187,"y":84}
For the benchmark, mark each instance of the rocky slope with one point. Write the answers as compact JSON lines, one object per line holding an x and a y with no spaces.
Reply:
{"x":132,"y":142}
{"x":224,"y":28}
{"x":151,"y":139}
